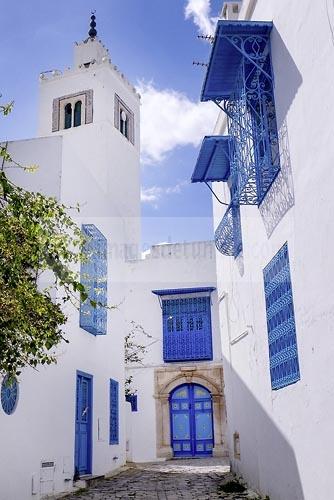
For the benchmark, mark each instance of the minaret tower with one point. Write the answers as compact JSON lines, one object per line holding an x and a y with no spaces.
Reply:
{"x":95,"y":111}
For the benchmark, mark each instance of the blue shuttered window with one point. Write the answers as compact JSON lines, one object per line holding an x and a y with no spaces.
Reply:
{"x":114,"y":413}
{"x":132,"y":398}
{"x":187,"y":329}
{"x":93,"y":275}
{"x":283,"y":354}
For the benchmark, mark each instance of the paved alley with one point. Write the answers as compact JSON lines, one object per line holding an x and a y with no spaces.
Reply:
{"x":173,"y":480}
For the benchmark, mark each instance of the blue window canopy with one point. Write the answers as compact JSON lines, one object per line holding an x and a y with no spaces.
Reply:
{"x":179,"y":291}
{"x":234,"y":41}
{"x":213,"y":162}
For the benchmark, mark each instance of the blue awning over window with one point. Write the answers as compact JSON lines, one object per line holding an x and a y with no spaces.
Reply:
{"x":178,"y":291}
{"x":229,"y":47}
{"x":213,"y":162}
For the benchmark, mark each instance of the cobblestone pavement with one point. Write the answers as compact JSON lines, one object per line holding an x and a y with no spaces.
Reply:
{"x":173,"y":480}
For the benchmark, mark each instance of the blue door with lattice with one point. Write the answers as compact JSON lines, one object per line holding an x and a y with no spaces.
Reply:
{"x":191,"y":421}
{"x":83,"y":424}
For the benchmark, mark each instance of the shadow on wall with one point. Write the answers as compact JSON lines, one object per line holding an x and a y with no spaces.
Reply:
{"x":288,"y":79}
{"x":287,"y":76}
{"x":280,"y":197}
{"x":267,"y":460}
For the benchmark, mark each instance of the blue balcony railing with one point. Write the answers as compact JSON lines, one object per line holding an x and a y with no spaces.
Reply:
{"x":228,"y":234}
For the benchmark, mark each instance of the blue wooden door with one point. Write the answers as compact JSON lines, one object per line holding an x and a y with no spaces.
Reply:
{"x":191,"y":421}
{"x":83,"y":424}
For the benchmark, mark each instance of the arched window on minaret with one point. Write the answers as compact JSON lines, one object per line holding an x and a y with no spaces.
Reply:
{"x":77,"y":114}
{"x":123,"y":120}
{"x":68,"y":116}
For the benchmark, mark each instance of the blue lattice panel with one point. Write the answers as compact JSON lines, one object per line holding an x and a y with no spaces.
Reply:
{"x":240,"y":79}
{"x":114,"y":413}
{"x":94,"y":278}
{"x":187,"y":329}
{"x":9,"y":395}
{"x":228,"y":238}
{"x":283,"y":353}
{"x":255,"y":160}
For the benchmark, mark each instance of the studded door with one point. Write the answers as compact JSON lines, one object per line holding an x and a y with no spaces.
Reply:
{"x":191,"y":421}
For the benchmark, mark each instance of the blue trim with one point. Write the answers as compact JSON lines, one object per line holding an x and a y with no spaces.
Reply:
{"x":9,"y":395}
{"x":283,"y":351}
{"x":213,"y":162}
{"x":88,"y":376}
{"x":94,"y":274}
{"x":114,"y":412}
{"x":176,"y":291}
{"x":190,"y":446}
{"x":187,"y":333}
{"x":227,"y":53}
{"x":133,"y":400}
{"x":228,"y":236}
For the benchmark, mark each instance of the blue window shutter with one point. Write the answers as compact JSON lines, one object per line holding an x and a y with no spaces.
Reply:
{"x":114,"y":413}
{"x":187,"y":329}
{"x":283,"y":353}
{"x":93,"y":274}
{"x":132,"y":398}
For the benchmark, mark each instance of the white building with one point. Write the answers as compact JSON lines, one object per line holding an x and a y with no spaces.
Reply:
{"x":181,"y":408}
{"x":72,"y":415}
{"x":69,"y":419}
{"x":270,"y":70}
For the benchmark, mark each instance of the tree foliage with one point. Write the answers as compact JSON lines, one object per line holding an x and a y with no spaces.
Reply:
{"x":134,"y":352}
{"x":39,"y":242}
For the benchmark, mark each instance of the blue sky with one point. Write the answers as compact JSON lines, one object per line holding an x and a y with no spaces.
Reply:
{"x":153,"y":44}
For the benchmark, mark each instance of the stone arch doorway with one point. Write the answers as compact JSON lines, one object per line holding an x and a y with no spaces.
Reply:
{"x":191,"y":421}
{"x":166,"y":379}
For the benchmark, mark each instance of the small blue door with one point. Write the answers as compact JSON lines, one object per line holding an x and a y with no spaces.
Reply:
{"x":83,"y":424}
{"x":191,"y":421}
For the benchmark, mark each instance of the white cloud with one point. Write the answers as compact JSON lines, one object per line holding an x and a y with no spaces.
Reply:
{"x":170,"y":119}
{"x":199,"y":10}
{"x":155,"y":193}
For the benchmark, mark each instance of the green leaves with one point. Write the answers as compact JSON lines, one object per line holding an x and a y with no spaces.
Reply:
{"x":39,"y":244}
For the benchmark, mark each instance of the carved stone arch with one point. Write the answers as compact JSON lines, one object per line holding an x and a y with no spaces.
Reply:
{"x":197,"y":378}
{"x":167,"y":379}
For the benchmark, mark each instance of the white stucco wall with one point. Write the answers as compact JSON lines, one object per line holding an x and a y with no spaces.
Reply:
{"x":167,"y":266}
{"x":286,"y":437}
{"x":97,"y":167}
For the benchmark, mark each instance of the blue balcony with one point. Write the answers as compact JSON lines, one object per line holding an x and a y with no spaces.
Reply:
{"x":234,"y":41}
{"x":239,"y":80}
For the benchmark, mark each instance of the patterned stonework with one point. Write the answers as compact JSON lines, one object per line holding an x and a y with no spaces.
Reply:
{"x":88,"y":99}
{"x":166,"y":379}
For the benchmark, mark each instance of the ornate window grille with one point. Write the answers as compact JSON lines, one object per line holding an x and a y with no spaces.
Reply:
{"x":114,"y":413}
{"x":9,"y":395}
{"x":186,"y":318}
{"x":283,"y":353}
{"x":213,"y":164}
{"x":240,"y":80}
{"x":228,"y":236}
{"x":94,"y":278}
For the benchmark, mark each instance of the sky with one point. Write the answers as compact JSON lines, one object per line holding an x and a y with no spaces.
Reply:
{"x":154,"y":43}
